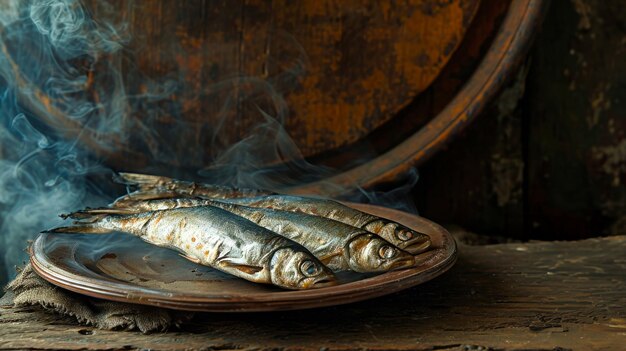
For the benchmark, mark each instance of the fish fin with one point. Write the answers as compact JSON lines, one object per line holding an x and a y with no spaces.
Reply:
{"x":73,"y":214}
{"x":139,"y":178}
{"x":248,"y":269}
{"x":326,"y":259}
{"x":192,"y":259}
{"x":142,"y":181}
{"x":124,"y":201}
{"x":133,"y":198}
{"x":100,"y":212}
{"x":87,"y":228}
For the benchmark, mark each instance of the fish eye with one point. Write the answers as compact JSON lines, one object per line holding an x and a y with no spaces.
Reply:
{"x":308,"y":268}
{"x":404,"y":234}
{"x":387,"y":251}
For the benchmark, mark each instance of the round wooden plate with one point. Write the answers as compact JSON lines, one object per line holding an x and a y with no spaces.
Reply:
{"x":123,"y":268}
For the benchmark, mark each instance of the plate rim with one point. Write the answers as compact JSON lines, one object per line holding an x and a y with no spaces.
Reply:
{"x":435,"y":263}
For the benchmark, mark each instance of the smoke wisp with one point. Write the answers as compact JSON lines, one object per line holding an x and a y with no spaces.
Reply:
{"x":70,"y":97}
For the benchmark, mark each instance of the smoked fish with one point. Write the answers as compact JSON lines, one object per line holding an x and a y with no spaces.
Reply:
{"x":215,"y":237}
{"x":337,"y":245}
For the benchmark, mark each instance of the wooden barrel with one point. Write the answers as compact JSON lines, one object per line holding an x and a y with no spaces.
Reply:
{"x":369,"y":88}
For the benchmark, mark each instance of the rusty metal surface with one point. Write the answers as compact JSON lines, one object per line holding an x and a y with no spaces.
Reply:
{"x":123,"y":268}
{"x":504,"y":55}
{"x":342,"y":68}
{"x":317,"y":127}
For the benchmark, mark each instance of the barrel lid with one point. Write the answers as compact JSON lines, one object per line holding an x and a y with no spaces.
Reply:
{"x":337,"y":75}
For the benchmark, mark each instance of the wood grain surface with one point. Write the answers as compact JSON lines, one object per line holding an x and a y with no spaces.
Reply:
{"x":332,"y":71}
{"x":536,"y":296}
{"x":507,"y":50}
{"x":547,"y":159}
{"x":199,"y":71}
{"x":344,"y":67}
{"x":576,"y":128}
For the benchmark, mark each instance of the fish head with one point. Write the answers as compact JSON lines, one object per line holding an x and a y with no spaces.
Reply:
{"x":403,"y":237}
{"x":292,"y":268}
{"x":371,"y":253}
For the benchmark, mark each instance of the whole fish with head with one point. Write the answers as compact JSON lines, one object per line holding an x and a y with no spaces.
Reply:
{"x":217,"y":238}
{"x":337,"y":245}
{"x":401,"y":236}
{"x":396,"y":233}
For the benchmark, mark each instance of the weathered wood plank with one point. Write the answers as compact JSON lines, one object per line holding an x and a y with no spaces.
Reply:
{"x":538,"y":296}
{"x":577,"y":129}
{"x":554,"y":166}
{"x":485,"y":192}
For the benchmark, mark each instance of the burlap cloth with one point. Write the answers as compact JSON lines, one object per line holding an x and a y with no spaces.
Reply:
{"x":30,"y":289}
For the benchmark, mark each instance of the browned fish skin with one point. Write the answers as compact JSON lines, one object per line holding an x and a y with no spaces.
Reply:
{"x":155,"y":187}
{"x":217,"y":238}
{"x":338,"y":245}
{"x":397,"y":234}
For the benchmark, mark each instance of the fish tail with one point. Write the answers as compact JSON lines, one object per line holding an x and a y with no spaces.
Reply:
{"x":142,"y":181}
{"x":87,"y":228}
{"x":91,"y":215}
{"x":103,"y":220}
{"x":136,"y":197}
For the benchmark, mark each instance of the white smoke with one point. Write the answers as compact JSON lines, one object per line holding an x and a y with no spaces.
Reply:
{"x":66,"y":77}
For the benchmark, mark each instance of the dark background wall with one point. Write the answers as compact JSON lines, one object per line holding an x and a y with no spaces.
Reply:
{"x":547,"y":160}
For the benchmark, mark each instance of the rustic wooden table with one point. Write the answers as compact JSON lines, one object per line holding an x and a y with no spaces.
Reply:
{"x":536,"y":296}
